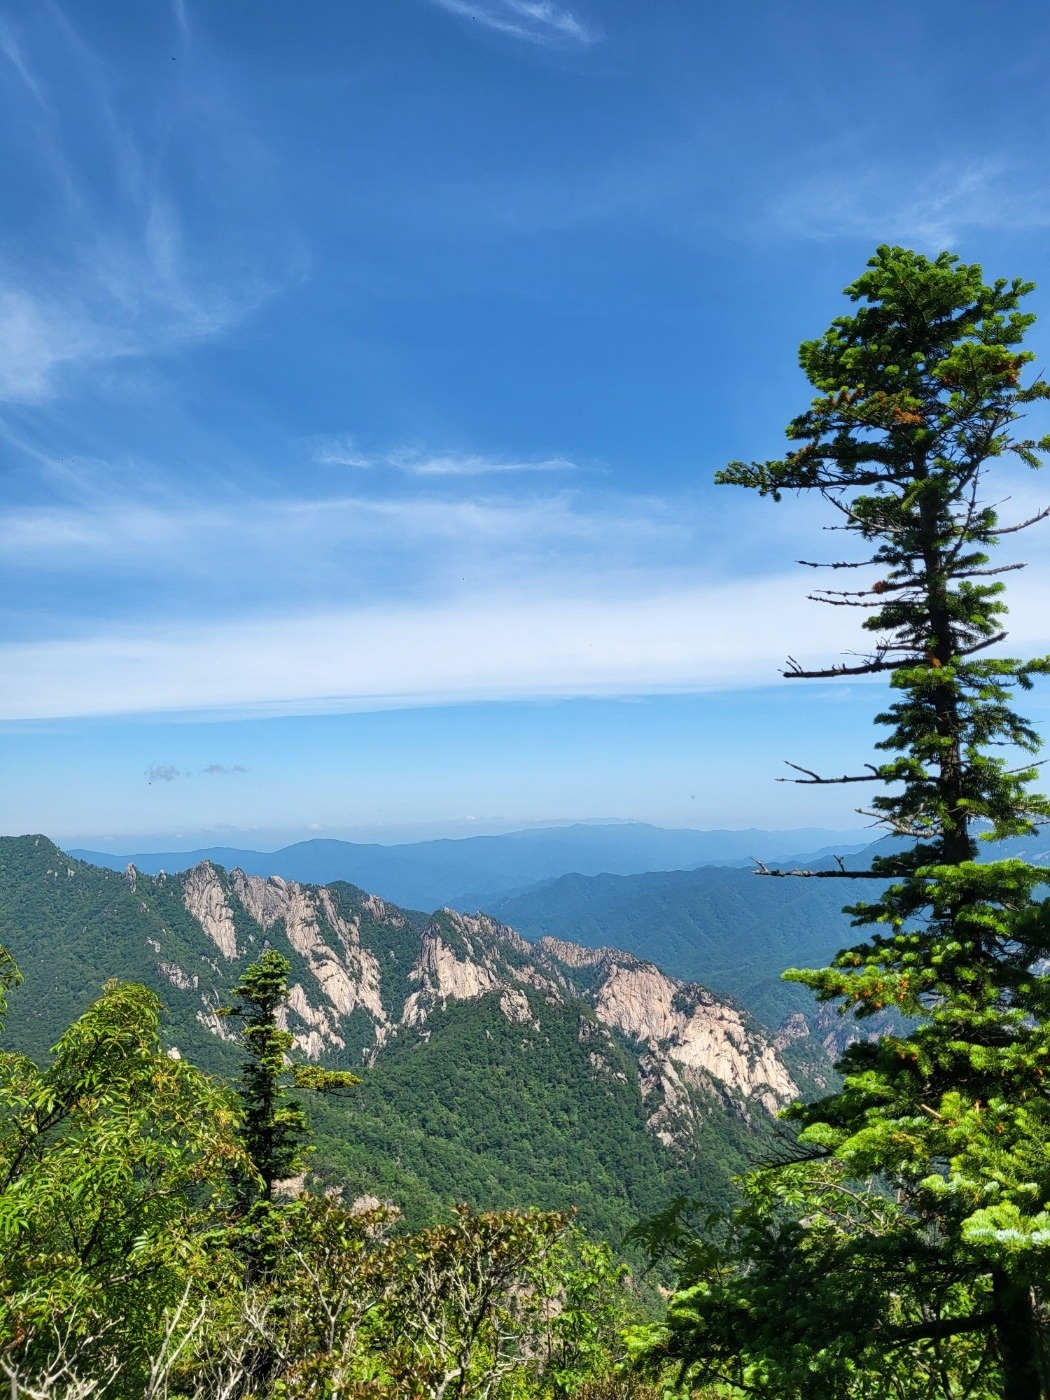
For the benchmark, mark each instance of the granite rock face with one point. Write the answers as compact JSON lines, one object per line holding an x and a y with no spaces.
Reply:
{"x":690,"y":1048}
{"x":343,"y":975}
{"x":709,"y":1043}
{"x":205,"y":901}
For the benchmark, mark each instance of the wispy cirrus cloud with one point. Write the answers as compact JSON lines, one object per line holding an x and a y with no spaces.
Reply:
{"x":471,"y":464}
{"x":103,"y":265}
{"x":119,"y":303}
{"x":137,"y":547}
{"x":340,"y":452}
{"x":933,"y":208}
{"x":194,"y":557}
{"x":534,"y":21}
{"x":11,"y":50}
{"x":414,"y":461}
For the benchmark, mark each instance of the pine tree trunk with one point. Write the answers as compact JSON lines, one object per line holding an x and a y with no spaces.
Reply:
{"x":1020,"y":1345}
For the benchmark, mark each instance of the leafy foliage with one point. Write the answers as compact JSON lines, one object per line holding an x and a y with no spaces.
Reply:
{"x":818,"y":1284}
{"x":114,"y":1163}
{"x":510,"y":1304}
{"x":124,"y":1271}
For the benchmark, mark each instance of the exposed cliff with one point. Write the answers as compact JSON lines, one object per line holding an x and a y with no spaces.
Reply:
{"x":690,"y":1048}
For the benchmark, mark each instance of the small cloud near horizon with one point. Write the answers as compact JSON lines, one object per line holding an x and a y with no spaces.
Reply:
{"x":167,"y":772}
{"x":161,"y":773}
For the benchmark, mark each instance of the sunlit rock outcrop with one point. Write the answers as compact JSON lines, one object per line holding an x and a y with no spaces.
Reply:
{"x":691,"y":1049}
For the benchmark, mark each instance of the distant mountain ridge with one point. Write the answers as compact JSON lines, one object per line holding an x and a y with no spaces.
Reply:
{"x":472,"y":872}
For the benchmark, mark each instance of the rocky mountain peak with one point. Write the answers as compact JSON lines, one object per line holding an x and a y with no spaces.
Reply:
{"x":573,"y":954}
{"x":343,"y":975}
{"x":465,"y":956}
{"x":690,"y":1047}
{"x":204,"y":898}
{"x":688,"y":1037}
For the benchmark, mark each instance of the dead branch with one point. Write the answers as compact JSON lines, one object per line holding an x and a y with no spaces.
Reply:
{"x":795,"y":671}
{"x":1023,"y":524}
{"x":840,"y":874}
{"x":899,"y":828}
{"x":811,"y":777}
{"x":980,"y":646}
{"x":986,"y":573}
{"x":177,"y":1337}
{"x":882,"y":587}
{"x":840,"y":602}
{"x":864,"y":564}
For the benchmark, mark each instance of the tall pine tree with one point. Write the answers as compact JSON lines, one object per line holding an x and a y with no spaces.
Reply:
{"x":275,"y":1131}
{"x":908,"y":1253}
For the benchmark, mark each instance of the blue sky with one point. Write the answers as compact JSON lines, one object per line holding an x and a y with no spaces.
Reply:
{"x":364,"y":368}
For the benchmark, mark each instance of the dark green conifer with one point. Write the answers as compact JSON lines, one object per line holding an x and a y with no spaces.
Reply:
{"x":275,"y":1129}
{"x":918,"y":1230}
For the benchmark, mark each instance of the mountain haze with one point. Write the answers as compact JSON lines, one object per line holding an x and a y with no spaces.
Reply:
{"x":472,"y":872}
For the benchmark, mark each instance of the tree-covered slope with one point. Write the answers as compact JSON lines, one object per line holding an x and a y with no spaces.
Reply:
{"x":71,"y":926}
{"x":495,"y":1071}
{"x":726,"y":928}
{"x":477,"y":1109}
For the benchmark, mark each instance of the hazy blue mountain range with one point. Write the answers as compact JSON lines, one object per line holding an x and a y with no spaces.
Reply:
{"x":495,"y":1071}
{"x":472,"y":872}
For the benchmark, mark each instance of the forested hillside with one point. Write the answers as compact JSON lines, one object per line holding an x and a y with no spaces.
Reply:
{"x":494,"y":1071}
{"x":729,"y":929}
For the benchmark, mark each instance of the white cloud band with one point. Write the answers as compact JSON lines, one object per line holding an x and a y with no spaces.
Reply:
{"x":508,"y":645}
{"x":535,"y":21}
{"x":503,"y":647}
